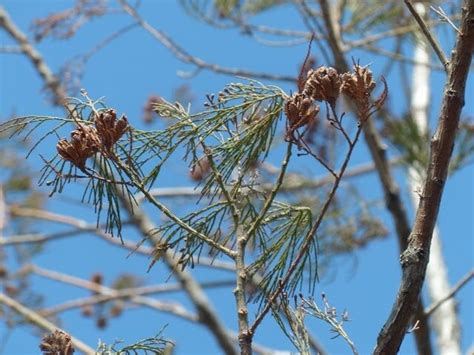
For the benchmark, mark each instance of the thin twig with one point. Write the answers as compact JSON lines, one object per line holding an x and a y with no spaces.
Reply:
{"x":125,"y":294}
{"x":169,"y":307}
{"x":433,"y":42}
{"x":276,"y":188}
{"x":397,"y":31}
{"x":431,"y":309}
{"x":308,"y":239}
{"x":184,"y":56}
{"x":81,"y":227}
{"x":444,"y":17}
{"x":297,"y":183}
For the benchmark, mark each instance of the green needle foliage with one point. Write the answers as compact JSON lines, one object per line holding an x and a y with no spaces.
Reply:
{"x":281,"y":235}
{"x":223,"y":145}
{"x":154,"y":345}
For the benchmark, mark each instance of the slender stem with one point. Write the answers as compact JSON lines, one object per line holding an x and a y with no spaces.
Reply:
{"x":431,"y":39}
{"x":245,"y":341}
{"x":169,"y":307}
{"x":184,"y":56}
{"x":229,"y":252}
{"x":431,"y":309}
{"x":171,"y":215}
{"x":273,"y":193}
{"x":308,"y":238}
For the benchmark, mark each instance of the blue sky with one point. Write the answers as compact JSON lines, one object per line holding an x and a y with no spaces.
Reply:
{"x":126,"y":72}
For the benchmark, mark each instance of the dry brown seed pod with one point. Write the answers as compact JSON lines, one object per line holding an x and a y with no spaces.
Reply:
{"x":300,"y":111}
{"x":97,"y":278}
{"x":358,"y":85}
{"x":323,"y":84}
{"x":84,"y":143}
{"x":58,"y":342}
{"x":101,"y":322}
{"x":116,"y":309}
{"x":109,"y":129}
{"x":200,"y":169}
{"x":87,"y":310}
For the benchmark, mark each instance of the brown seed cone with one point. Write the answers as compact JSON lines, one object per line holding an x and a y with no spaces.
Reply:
{"x":109,"y":129}
{"x":101,"y":322}
{"x":323,"y":84}
{"x":57,"y":343}
{"x":87,"y":310}
{"x":200,"y":169}
{"x":300,"y":111}
{"x":84,"y":144}
{"x":97,"y":278}
{"x":358,"y":86}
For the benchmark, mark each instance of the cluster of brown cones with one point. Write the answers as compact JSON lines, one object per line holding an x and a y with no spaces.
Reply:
{"x":87,"y":140}
{"x":58,"y":342}
{"x":326,"y":84}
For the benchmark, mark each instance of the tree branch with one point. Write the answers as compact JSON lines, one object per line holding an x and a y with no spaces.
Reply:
{"x":415,"y":259}
{"x":445,"y":323}
{"x":124,"y":294}
{"x":393,"y":200}
{"x":431,"y":309}
{"x":41,"y":322}
{"x":433,"y":42}
{"x":143,"y":223}
{"x":169,"y":307}
{"x":184,"y":56}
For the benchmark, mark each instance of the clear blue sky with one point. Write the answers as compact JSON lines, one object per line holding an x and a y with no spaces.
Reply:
{"x":126,"y":72}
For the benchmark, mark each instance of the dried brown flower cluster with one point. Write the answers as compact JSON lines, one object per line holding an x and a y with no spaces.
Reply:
{"x":87,"y":140}
{"x":84,"y":144}
{"x":358,"y":86}
{"x":57,"y":343}
{"x":109,"y":129}
{"x":326,"y":84}
{"x":323,"y":84}
{"x":300,"y":111}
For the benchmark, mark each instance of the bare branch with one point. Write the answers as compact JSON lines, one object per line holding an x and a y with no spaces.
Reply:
{"x":35,"y":57}
{"x":415,"y":258}
{"x":169,"y":307}
{"x":11,"y":50}
{"x":184,"y":56}
{"x":431,"y":309}
{"x":82,"y":227}
{"x":126,"y":293}
{"x":433,"y":42}
{"x":40,"y":321}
